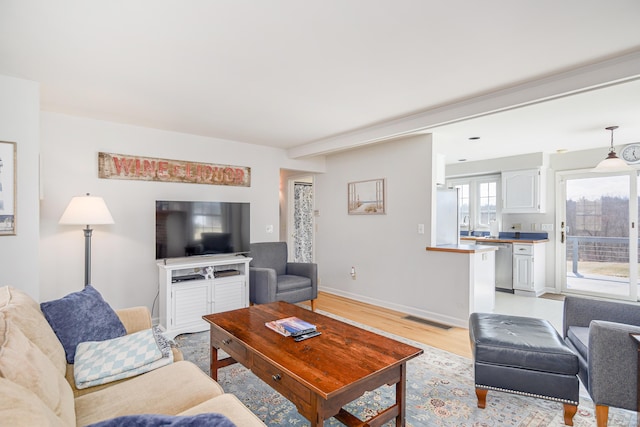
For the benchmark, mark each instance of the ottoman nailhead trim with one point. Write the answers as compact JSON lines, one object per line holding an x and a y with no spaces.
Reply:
{"x":488,"y":387}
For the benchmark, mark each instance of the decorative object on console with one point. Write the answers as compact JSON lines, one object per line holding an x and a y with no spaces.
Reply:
{"x":366,"y":197}
{"x":612,"y":163}
{"x":82,"y":316}
{"x":8,"y":187}
{"x":87,"y":210}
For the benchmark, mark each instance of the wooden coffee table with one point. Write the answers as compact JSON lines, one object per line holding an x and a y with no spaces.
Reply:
{"x":319,"y":375}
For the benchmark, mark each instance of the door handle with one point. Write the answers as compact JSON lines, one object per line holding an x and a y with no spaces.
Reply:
{"x":562,"y":237}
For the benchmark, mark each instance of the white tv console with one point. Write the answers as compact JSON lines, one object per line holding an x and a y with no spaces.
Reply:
{"x":191,"y":288}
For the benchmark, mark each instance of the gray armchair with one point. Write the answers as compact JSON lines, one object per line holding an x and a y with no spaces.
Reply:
{"x":598,"y":332}
{"x":272,"y":278}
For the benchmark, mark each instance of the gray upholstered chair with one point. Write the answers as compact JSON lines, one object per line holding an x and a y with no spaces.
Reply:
{"x":598,"y":332}
{"x":272,"y":278}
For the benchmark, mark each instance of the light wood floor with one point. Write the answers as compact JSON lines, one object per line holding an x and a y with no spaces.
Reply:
{"x":454,"y":340}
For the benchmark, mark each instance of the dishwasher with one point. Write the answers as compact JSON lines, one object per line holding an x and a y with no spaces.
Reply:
{"x":504,"y":265}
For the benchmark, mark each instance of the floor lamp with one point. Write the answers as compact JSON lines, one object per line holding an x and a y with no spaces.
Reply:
{"x":86,"y":210}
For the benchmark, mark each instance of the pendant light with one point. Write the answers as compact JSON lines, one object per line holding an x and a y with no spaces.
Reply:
{"x":612,"y":163}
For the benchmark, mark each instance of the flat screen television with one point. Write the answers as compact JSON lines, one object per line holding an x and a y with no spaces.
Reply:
{"x":185,"y":229}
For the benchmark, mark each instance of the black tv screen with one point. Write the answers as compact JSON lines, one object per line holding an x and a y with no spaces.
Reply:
{"x":186,"y":229}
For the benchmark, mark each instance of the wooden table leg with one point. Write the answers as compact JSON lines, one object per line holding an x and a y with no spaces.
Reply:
{"x":214,"y":363}
{"x":317,"y":408}
{"x":401,"y":389}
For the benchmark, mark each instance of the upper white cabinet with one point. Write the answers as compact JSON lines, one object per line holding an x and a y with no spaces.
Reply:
{"x":523,"y":191}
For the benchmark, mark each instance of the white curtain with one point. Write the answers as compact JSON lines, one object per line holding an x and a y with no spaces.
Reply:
{"x":303,"y":222}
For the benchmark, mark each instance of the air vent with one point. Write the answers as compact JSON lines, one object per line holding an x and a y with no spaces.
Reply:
{"x":427,"y":322}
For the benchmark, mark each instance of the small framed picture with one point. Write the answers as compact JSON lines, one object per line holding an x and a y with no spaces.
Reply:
{"x":8,"y":188}
{"x":366,"y":197}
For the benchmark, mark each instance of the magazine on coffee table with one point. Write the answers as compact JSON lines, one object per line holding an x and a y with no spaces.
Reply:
{"x":291,"y":326}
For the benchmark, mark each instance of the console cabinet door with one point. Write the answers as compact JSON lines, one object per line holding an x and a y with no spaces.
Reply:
{"x":191,"y":302}
{"x":228,"y":294}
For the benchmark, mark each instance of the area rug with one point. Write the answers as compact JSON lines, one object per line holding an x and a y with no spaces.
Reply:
{"x":440,"y":392}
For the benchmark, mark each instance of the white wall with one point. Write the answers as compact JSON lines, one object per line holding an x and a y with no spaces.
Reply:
{"x":393,"y":268}
{"x":124,"y":268}
{"x":19,"y":123}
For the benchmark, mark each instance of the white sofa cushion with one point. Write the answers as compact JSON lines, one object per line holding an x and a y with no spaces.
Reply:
{"x":24,"y":364}
{"x":25,"y":313}
{"x":19,"y":407}
{"x":169,"y":390}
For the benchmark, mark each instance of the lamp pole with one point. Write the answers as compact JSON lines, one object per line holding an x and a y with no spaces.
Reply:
{"x":87,"y":255}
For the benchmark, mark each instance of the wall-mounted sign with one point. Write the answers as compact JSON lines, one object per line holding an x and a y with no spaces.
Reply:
{"x":121,"y":166}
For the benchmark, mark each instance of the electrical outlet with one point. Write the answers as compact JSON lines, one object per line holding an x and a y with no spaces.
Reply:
{"x":420,"y":228}
{"x":516,"y":226}
{"x":547,"y":227}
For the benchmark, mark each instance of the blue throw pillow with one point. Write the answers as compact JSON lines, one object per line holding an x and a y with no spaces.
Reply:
{"x":82,"y":316}
{"x":152,"y":420}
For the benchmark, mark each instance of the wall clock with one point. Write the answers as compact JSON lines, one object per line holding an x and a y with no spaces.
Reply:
{"x":631,"y":153}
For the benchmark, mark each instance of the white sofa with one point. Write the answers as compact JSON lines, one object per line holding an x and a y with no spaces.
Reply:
{"x":35,"y":391}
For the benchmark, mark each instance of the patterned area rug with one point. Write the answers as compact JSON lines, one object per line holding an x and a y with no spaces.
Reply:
{"x":440,"y":392}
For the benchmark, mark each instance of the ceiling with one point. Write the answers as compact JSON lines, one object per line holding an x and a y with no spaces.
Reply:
{"x":313,"y":77}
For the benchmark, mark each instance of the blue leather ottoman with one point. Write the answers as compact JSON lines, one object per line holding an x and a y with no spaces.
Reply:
{"x":523,"y":355}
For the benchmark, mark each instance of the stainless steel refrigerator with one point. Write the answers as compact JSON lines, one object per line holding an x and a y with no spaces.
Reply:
{"x":447,"y":224}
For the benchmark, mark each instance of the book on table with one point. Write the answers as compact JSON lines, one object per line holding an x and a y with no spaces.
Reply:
{"x":291,"y":326}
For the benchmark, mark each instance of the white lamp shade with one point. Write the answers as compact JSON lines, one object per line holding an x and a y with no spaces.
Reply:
{"x":612,"y":164}
{"x":89,"y":210}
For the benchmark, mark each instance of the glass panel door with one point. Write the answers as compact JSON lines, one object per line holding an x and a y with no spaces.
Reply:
{"x":601,"y":243}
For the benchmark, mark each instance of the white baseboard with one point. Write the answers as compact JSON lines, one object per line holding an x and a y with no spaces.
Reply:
{"x":435,"y":317}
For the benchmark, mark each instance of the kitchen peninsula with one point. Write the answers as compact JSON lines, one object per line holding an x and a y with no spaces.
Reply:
{"x":467,"y":271}
{"x":516,"y":270}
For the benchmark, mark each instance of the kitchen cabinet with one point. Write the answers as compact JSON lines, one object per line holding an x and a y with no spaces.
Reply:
{"x":528,"y":269}
{"x":194,"y":288}
{"x":523,"y":191}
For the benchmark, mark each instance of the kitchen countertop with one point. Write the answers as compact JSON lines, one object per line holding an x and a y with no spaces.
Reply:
{"x":505,"y":239}
{"x":462,"y":248}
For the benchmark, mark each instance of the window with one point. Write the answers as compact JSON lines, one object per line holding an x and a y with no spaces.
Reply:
{"x":477,"y":201}
{"x":487,"y":206}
